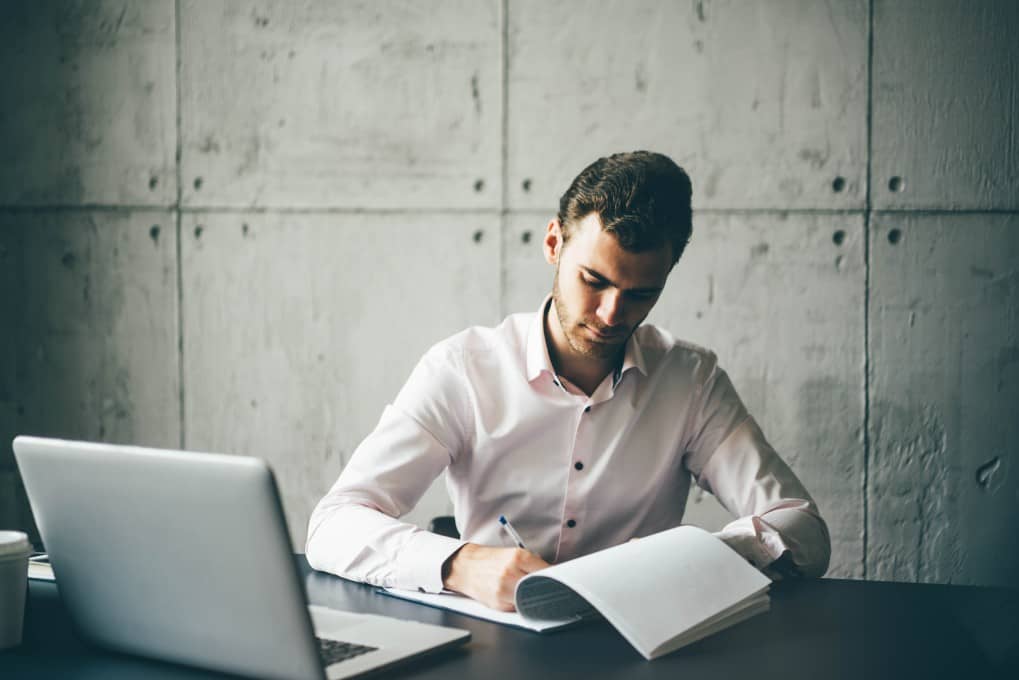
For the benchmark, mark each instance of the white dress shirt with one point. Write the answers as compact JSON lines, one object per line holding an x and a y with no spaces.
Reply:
{"x":574,"y":474}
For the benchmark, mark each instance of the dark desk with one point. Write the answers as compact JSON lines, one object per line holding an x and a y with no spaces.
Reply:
{"x":815,"y":629}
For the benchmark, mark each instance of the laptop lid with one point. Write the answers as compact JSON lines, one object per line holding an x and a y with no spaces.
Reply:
{"x":176,"y":555}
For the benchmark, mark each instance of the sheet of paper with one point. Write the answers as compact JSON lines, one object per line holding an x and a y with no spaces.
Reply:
{"x":39,"y":568}
{"x":466,"y":605}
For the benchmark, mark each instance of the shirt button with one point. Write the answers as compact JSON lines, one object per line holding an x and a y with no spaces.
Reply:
{"x":587,"y":409}
{"x":571,"y":523}
{"x":578,"y":465}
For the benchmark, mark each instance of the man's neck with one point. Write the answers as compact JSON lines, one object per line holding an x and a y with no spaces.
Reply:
{"x":584,"y":372}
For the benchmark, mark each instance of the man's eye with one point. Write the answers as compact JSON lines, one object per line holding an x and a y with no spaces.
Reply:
{"x":594,"y":283}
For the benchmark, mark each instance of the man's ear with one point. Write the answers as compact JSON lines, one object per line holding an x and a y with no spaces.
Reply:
{"x":553,"y":243}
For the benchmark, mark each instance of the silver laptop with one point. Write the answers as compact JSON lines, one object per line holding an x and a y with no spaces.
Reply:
{"x":186,"y":557}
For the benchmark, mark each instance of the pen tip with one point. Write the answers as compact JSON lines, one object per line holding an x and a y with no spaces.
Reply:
{"x":502,"y":519}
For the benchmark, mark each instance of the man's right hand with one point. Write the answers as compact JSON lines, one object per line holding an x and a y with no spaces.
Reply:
{"x":489,"y":575}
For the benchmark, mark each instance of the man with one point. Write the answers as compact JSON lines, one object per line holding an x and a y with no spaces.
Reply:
{"x":579,"y":424}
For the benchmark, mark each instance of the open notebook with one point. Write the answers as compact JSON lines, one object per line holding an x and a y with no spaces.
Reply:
{"x":661,"y":592}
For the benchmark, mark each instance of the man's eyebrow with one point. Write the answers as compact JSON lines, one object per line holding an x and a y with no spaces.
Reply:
{"x":604,"y":279}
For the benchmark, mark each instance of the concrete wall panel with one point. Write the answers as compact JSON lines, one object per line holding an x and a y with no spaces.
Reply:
{"x":89,"y":341}
{"x":946,"y":104}
{"x":365,"y":104}
{"x":944,"y":473}
{"x":313,"y":134}
{"x":89,"y":103}
{"x":527,"y":277}
{"x":299,"y":329}
{"x":765,"y":103}
{"x":780,"y":299}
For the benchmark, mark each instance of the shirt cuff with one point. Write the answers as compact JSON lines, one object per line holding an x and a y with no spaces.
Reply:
{"x":428,"y":553}
{"x":753,"y":538}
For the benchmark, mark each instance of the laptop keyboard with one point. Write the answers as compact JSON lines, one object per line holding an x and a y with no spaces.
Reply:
{"x":334,"y":651}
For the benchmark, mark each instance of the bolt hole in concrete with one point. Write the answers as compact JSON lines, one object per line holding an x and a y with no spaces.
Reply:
{"x":838,"y":184}
{"x":244,"y":229}
{"x":894,"y":236}
{"x":525,"y":237}
{"x":526,"y":184}
{"x":198,"y":231}
{"x":198,"y":183}
{"x":154,"y":233}
{"x":838,"y":237}
{"x":479,"y":185}
{"x":896,"y":184}
{"x":986,"y":472}
{"x":478,"y":235}
{"x":153,"y":183}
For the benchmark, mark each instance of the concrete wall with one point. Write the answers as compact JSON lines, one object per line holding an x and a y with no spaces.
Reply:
{"x":235,"y":226}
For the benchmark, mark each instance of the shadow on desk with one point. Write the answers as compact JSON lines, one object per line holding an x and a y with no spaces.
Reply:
{"x":52,"y":648}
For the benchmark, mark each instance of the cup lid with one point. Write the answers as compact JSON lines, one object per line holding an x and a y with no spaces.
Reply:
{"x":14,"y":543}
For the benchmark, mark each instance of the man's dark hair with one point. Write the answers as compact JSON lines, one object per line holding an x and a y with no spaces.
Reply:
{"x":643,"y":199}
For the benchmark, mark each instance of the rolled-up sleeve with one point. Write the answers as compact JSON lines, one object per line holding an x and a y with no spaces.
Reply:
{"x":730,"y":458}
{"x":355,"y":531}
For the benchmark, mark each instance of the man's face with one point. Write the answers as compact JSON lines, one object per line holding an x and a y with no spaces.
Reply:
{"x":601,"y":292}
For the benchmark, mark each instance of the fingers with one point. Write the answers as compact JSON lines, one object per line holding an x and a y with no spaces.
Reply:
{"x":521,"y":563}
{"x":505,"y":591}
{"x":528,"y":562}
{"x":490,"y":575}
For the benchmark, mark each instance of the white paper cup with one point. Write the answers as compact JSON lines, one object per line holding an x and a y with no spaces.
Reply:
{"x":14,"y":552}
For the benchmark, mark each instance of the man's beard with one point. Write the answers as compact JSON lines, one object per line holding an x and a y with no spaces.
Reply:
{"x":575,"y":336}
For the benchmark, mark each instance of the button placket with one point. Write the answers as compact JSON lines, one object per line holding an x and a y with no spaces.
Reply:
{"x":574,"y":501}
{"x":584,"y":419}
{"x":579,"y":465}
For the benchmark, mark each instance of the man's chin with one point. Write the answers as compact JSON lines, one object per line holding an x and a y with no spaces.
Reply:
{"x":597,"y":349}
{"x":603,"y":351}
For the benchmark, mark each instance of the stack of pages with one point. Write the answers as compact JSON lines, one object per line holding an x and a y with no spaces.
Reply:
{"x":39,"y":567}
{"x":661,"y":592}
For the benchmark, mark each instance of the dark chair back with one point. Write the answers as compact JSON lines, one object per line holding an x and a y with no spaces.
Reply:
{"x":444,"y":525}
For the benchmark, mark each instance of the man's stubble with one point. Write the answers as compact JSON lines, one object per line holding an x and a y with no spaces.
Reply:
{"x":571,"y":329}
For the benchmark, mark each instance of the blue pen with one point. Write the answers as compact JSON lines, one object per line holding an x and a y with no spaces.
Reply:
{"x":512,"y":532}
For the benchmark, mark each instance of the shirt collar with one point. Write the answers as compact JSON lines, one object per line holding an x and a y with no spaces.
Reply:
{"x":537,"y":349}
{"x":633,"y":357}
{"x":538,"y":360}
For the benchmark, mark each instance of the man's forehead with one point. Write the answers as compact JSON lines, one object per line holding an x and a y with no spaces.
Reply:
{"x":599,"y":252}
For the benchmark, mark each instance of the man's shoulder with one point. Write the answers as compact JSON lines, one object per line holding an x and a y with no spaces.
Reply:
{"x":664,"y":351}
{"x":509,"y":334}
{"x":655,"y":337}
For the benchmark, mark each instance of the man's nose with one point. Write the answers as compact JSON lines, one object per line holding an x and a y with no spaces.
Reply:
{"x":610,"y":308}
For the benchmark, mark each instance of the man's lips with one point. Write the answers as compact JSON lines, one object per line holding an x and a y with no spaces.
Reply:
{"x":601,"y":335}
